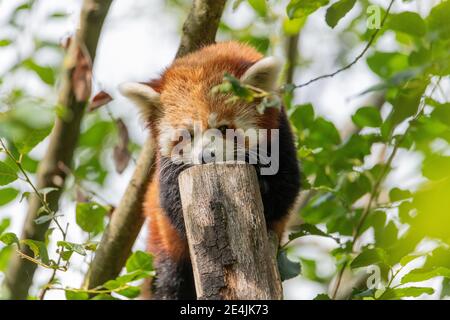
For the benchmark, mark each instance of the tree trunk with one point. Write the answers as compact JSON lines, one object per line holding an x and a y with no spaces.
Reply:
{"x":199,"y":29}
{"x":63,"y":141}
{"x":226,"y":230}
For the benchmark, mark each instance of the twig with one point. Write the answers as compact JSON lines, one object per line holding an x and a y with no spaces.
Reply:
{"x":91,"y":291}
{"x":31,"y":184}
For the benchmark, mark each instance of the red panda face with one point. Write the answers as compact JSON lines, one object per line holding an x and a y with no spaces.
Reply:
{"x":191,"y":123}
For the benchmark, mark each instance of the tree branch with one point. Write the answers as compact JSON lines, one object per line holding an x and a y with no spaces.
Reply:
{"x":226,"y":231}
{"x":358,"y":57}
{"x":63,"y":141}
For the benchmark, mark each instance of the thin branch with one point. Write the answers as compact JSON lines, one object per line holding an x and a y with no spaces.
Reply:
{"x":358,"y":57}
{"x":375,"y":191}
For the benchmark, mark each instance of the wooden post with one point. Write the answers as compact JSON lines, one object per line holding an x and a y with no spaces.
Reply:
{"x":226,"y":230}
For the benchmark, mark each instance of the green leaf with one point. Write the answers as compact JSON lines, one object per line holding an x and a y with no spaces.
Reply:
{"x":76,"y":295}
{"x":112,"y":285}
{"x":46,"y":74}
{"x":134,"y":276}
{"x":369,"y":257}
{"x":303,"y":8}
{"x":363,"y":293}
{"x":393,"y":294}
{"x":337,"y":11}
{"x":139,"y":261}
{"x":309,"y":269}
{"x":418,"y":275}
{"x":7,"y":195}
{"x":407,"y":259}
{"x":407,"y":22}
{"x":47,"y":235}
{"x":104,"y":296}
{"x":58,"y":15}
{"x":302,"y":116}
{"x":405,"y":104}
{"x":288,"y":269}
{"x":445,"y":292}
{"x":354,"y":187}
{"x":70,"y":246}
{"x":31,"y":139}
{"x":25,"y":195}
{"x":39,"y":249}
{"x":5,"y":257}
{"x":259,"y":6}
{"x":46,"y":191}
{"x":9,"y":238}
{"x":90,"y":216}
{"x":7,"y":174}
{"x":324,"y":132}
{"x":397,"y":194}
{"x":367,"y":117}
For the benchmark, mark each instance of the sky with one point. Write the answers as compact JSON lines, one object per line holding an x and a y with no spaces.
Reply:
{"x":139,"y":39}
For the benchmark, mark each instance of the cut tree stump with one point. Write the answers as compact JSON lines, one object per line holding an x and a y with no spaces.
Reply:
{"x":232,"y":257}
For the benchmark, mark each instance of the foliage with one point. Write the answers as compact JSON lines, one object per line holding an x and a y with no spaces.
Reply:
{"x":350,"y":201}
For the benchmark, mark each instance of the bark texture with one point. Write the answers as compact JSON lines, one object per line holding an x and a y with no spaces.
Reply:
{"x":230,"y":251}
{"x":63,"y":140}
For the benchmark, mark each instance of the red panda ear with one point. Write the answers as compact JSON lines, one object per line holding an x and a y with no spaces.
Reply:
{"x":147,"y":99}
{"x":263,"y":74}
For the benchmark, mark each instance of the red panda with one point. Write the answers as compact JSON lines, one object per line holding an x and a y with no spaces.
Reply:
{"x":181,"y":96}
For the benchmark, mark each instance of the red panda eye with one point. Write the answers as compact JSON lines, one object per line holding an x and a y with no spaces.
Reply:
{"x":223,"y":129}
